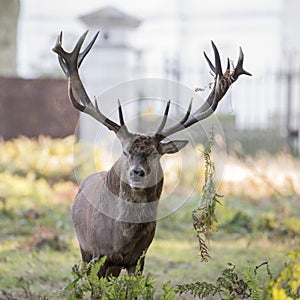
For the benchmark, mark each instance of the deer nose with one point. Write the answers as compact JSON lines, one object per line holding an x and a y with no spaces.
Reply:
{"x":138,"y":172}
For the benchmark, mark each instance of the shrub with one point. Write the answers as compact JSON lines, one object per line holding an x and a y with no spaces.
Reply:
{"x":286,"y":286}
{"x":239,"y":223}
{"x":231,"y":284}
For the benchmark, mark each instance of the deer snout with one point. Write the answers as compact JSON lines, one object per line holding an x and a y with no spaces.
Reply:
{"x":137,"y":172}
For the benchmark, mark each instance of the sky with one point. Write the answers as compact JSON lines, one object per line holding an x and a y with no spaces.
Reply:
{"x":40,"y":22}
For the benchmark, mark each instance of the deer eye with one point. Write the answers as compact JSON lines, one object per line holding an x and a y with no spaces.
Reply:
{"x":125,"y":153}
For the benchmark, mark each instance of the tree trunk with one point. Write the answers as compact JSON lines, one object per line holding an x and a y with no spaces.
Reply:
{"x":9,"y":14}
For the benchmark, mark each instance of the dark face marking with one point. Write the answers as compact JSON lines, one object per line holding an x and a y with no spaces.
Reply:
{"x":142,"y":164}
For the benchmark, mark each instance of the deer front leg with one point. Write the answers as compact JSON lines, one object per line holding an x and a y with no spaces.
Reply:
{"x":131,"y":269}
{"x":86,"y":257}
{"x":113,"y":271}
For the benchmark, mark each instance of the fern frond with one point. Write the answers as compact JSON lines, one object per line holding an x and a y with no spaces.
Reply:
{"x":204,"y":217}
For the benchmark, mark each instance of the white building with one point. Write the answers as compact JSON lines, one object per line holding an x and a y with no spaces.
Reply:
{"x":111,"y":61}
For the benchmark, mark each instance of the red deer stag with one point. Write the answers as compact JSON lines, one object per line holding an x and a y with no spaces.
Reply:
{"x":114,"y":212}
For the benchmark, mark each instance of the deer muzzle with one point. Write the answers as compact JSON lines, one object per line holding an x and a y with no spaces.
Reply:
{"x":137,"y":177}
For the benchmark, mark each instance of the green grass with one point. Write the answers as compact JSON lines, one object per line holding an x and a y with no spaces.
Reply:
{"x":36,"y":255}
{"x":174,"y":252}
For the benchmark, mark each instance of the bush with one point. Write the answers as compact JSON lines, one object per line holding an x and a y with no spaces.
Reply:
{"x":279,"y":226}
{"x":286,"y":286}
{"x":239,"y":223}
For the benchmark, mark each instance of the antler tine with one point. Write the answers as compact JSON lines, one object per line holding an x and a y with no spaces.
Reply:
{"x":78,"y":46}
{"x":212,"y":67}
{"x":83,"y":54}
{"x":218,"y":64}
{"x":187,"y":112}
{"x":164,"y":119}
{"x":176,"y":127}
{"x":99,"y":116}
{"x":217,"y":69}
{"x":62,"y":54}
{"x":188,"y":120}
{"x":57,"y":47}
{"x":239,"y":67}
{"x":121,"y":118}
{"x":228,"y":66}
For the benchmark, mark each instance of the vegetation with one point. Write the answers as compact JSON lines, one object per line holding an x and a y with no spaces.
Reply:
{"x":287,"y":283}
{"x":204,"y":217}
{"x":85,"y":279}
{"x":258,"y":224}
{"x":231,"y":284}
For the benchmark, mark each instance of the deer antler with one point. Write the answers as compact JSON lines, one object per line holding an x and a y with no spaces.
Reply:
{"x":222,"y":83}
{"x":70,"y":63}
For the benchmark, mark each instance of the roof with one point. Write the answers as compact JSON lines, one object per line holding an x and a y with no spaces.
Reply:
{"x":110,"y":16}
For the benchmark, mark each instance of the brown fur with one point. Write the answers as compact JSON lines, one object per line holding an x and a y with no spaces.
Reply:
{"x":113,"y":219}
{"x":114,"y":212}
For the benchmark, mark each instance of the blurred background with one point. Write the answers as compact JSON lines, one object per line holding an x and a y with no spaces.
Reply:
{"x":154,"y":41}
{"x":257,"y":136}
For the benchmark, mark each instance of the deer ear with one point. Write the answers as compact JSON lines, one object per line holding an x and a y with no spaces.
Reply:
{"x":172,"y":146}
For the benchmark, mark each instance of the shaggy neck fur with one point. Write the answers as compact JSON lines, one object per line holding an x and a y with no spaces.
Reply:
{"x":125,"y":192}
{"x":134,"y":205}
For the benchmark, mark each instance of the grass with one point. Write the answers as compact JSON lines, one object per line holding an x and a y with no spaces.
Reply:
{"x":38,"y":247}
{"x":174,"y":255}
{"x":34,"y":265}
